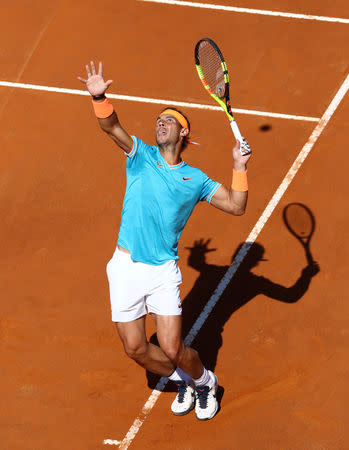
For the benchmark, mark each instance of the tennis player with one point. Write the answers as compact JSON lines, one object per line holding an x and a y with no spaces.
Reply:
{"x":161,"y":193}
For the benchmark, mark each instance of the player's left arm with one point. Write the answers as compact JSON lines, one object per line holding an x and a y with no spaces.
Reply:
{"x":231,"y":200}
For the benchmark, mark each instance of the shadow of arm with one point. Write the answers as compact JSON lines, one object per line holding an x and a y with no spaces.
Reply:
{"x":289,"y":294}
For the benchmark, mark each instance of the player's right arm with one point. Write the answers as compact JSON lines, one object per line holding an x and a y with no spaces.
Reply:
{"x":97,"y":87}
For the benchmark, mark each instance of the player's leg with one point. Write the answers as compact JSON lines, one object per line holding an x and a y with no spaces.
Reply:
{"x":169,"y":332}
{"x":147,"y":355}
{"x":128,"y":286}
{"x":165,"y":303}
{"x":184,"y":401}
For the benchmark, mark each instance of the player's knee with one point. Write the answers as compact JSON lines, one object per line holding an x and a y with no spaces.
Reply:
{"x":135,"y":350}
{"x":185,"y":354}
{"x":173,"y":352}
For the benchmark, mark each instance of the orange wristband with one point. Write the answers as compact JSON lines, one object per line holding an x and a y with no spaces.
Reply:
{"x":103,"y":109}
{"x":239,"y":183}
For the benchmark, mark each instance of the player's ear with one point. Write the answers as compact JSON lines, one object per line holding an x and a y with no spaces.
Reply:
{"x":184,"y":132}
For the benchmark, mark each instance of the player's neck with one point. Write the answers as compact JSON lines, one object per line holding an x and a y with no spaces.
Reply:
{"x":171,"y":154}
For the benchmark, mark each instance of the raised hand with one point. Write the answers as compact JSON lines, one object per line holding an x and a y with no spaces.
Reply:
{"x":197,"y":256}
{"x":201,"y":246}
{"x":312,"y":269}
{"x":95,"y":83}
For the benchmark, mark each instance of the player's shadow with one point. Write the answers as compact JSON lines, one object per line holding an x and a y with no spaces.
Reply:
{"x":243,"y":287}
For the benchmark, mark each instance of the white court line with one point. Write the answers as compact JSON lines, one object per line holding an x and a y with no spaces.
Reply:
{"x":150,"y":403}
{"x":158,"y":101}
{"x":262,"y":12}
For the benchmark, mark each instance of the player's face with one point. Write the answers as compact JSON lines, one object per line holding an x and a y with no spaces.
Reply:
{"x":167,"y":130}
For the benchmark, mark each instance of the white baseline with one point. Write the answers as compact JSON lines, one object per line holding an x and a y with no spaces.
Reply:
{"x":150,"y":403}
{"x":158,"y":101}
{"x":262,"y":12}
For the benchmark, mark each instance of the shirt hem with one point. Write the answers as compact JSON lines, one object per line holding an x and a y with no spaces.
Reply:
{"x":143,"y":260}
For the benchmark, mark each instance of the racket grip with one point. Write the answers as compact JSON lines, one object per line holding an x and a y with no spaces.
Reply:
{"x":236,"y":131}
{"x":309,"y":256}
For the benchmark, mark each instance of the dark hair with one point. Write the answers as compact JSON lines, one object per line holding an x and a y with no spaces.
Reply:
{"x":186,"y":138}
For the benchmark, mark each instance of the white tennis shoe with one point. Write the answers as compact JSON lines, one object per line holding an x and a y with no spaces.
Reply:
{"x":206,"y":405}
{"x":185,"y":399}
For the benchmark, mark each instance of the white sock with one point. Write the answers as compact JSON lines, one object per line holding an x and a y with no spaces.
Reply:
{"x":204,"y":380}
{"x":179,"y":375}
{"x":184,"y":375}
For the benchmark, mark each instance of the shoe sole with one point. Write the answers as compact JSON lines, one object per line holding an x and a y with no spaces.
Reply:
{"x":217,"y":406}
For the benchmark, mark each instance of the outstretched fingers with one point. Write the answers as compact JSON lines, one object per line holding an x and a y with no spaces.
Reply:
{"x":100,"y":73}
{"x":82,"y":80}
{"x":93,"y":68}
{"x":88,"y":71}
{"x":94,"y":82}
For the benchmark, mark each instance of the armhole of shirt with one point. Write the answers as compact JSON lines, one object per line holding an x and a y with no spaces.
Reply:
{"x":212,"y":193}
{"x":134,"y":148}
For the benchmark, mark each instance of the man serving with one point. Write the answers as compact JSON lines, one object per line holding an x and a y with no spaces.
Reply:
{"x":162,"y":191}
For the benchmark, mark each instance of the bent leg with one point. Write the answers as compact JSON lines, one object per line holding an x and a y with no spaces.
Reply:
{"x":169,"y":332}
{"x":206,"y":383}
{"x":149,"y":356}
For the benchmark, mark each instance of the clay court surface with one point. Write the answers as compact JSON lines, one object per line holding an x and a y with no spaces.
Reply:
{"x":278,"y":337}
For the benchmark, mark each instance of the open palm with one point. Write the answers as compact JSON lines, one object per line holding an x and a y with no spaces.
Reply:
{"x":94,"y":82}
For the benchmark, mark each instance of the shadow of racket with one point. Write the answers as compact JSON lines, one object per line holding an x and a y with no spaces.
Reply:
{"x":300,"y":222}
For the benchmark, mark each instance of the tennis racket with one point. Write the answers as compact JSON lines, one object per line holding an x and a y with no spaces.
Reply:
{"x":213,"y":73}
{"x":300,"y":221}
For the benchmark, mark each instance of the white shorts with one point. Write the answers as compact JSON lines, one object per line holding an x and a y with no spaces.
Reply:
{"x":136,"y":288}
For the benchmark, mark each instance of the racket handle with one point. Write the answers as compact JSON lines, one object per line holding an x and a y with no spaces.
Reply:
{"x":309,"y":256}
{"x":244,"y":146}
{"x":236,"y":131}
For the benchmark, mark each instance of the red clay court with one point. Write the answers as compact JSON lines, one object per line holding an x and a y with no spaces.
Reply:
{"x":277,"y":337}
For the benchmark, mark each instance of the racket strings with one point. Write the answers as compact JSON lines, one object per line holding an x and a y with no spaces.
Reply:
{"x":212,"y":70}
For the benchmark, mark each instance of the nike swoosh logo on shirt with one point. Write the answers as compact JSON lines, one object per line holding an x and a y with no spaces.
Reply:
{"x":186,"y":179}
{"x":158,"y":164}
